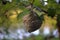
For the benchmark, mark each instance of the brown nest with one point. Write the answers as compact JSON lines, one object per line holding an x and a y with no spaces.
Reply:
{"x":32,"y":21}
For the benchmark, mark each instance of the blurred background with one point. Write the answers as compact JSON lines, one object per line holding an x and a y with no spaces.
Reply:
{"x":14,"y":12}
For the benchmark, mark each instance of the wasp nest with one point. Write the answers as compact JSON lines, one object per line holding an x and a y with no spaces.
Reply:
{"x":32,"y":21}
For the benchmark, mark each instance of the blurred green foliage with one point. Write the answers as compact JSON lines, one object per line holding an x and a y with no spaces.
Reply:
{"x":4,"y":21}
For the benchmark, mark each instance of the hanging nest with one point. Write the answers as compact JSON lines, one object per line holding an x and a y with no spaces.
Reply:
{"x":32,"y":21}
